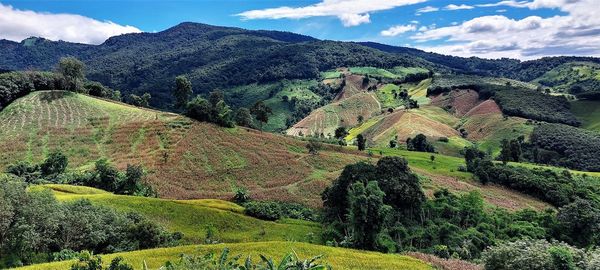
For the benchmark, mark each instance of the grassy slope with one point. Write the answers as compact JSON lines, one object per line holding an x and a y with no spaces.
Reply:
{"x":443,"y":173}
{"x":564,"y":76}
{"x":338,"y":258}
{"x":186,"y":159}
{"x":588,"y":112}
{"x":194,"y":217}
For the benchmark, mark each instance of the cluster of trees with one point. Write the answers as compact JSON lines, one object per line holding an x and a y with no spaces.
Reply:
{"x":535,"y":105}
{"x":382,"y":207}
{"x":36,"y":228}
{"x":274,"y":210}
{"x":214,"y":109}
{"x":104,"y":176}
{"x":539,"y":255}
{"x":68,"y":75}
{"x":419,"y":143}
{"x":565,"y":146}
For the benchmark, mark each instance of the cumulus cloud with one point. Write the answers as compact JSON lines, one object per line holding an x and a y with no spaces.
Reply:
{"x":458,"y":7}
{"x":427,"y":9}
{"x":398,"y":30}
{"x":18,"y":24}
{"x":350,"y":12}
{"x":577,"y":32}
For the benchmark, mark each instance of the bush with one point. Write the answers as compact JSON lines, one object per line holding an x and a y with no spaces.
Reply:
{"x":263,"y":210}
{"x":537,"y":255}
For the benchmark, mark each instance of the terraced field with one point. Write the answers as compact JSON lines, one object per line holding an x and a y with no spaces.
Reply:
{"x":338,"y":258}
{"x":490,"y":129}
{"x":83,"y":127}
{"x":186,"y":159}
{"x":353,"y":101}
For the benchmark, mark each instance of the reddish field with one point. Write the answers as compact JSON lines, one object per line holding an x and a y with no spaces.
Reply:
{"x":459,"y":102}
{"x":488,"y":106}
{"x":405,"y":125}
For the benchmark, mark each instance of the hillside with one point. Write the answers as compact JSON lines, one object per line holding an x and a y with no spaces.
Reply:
{"x":194,"y":217}
{"x":186,"y":159}
{"x":338,"y":258}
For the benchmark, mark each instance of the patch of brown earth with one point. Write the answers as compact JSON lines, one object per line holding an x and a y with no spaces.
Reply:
{"x":458,"y":102}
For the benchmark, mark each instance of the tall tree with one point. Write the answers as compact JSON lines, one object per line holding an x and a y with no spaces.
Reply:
{"x":182,"y":91}
{"x":367,"y":213}
{"x":505,"y":153}
{"x":261,"y":111}
{"x":243,"y":117}
{"x":73,"y":71}
{"x":361,"y":142}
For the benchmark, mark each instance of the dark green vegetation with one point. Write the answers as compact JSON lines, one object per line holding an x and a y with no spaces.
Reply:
{"x":418,"y":143}
{"x":581,"y":79}
{"x":36,"y":228}
{"x":382,"y":207}
{"x":104,"y":176}
{"x":539,"y":255}
{"x":566,"y":146}
{"x":210,"y":56}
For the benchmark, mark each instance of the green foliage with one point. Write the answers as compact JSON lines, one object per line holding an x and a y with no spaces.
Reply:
{"x":314,"y":146}
{"x":34,"y":225}
{"x":261,"y":112}
{"x":271,"y":210}
{"x":56,"y":163}
{"x":213,"y":110}
{"x":88,"y":261}
{"x":566,"y":146}
{"x":367,"y":214}
{"x":73,"y":72}
{"x":224,"y":262}
{"x":419,"y":143}
{"x":539,"y":255}
{"x":243,"y":117}
{"x":140,"y":101}
{"x":182,"y":91}
{"x":241,"y":195}
{"x":361,"y":142}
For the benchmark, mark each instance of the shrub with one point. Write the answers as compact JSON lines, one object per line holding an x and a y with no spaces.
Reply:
{"x":536,"y":255}
{"x":263,"y":210}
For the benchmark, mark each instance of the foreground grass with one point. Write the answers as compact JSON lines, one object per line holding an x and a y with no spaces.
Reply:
{"x":338,"y":258}
{"x":195,"y":217}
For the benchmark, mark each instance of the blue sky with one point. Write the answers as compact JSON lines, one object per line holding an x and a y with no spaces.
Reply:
{"x":487,"y":28}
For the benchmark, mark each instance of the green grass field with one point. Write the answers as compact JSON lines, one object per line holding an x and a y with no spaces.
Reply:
{"x":338,"y":258}
{"x":443,"y":165}
{"x":372,"y":71}
{"x":385,"y":95}
{"x":194,"y":217}
{"x":588,"y":111}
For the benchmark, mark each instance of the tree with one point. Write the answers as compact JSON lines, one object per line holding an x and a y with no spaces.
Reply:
{"x":367,"y":214}
{"x":261,"y":111}
{"x":140,"y":101}
{"x":580,"y":221}
{"x":419,"y":143}
{"x":182,"y":91}
{"x":340,"y":133}
{"x":432,"y":157}
{"x":243,"y":117}
{"x":360,"y":119}
{"x":505,"y":153}
{"x":361,"y":142}
{"x":214,"y":110}
{"x":314,"y":147}
{"x":56,"y":163}
{"x":73,"y":71}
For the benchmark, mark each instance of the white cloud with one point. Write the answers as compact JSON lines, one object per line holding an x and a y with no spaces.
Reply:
{"x":18,"y":24}
{"x":458,"y":7}
{"x":577,"y":32}
{"x":427,"y":9}
{"x":350,"y":12}
{"x":398,"y":29}
{"x":501,"y":10}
